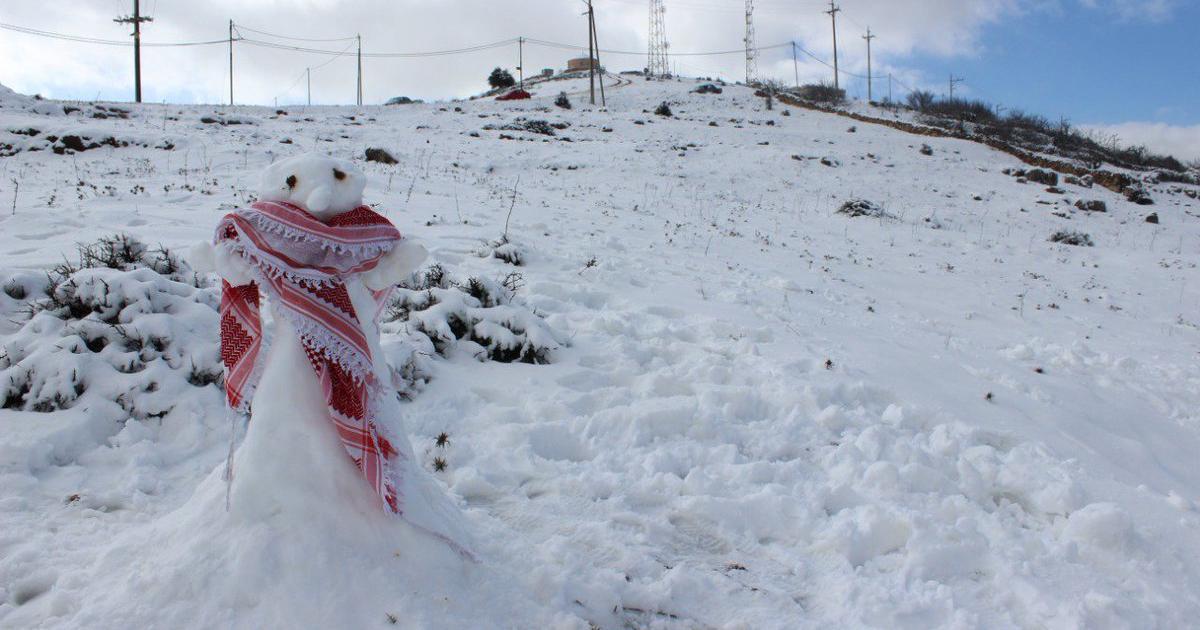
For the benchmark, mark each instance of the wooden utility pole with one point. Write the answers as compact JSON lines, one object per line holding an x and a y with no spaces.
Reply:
{"x":833,"y":11}
{"x":231,"y":62}
{"x":591,"y":55}
{"x":599,"y":68}
{"x":136,"y":20}
{"x":360,"y":85}
{"x":954,"y":80}
{"x":521,"y":60}
{"x":795,"y":64}
{"x":869,"y":37}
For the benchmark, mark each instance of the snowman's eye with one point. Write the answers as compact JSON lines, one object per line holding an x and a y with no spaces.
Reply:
{"x":338,"y":175}
{"x":291,"y":181}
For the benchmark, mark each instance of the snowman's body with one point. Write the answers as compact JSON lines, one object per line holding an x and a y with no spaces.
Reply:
{"x":292,"y":463}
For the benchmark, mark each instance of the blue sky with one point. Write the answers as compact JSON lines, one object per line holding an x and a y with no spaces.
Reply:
{"x":1090,"y":66}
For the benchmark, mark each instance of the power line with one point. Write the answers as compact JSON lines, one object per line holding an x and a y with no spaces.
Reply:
{"x":739,"y":51}
{"x":243,"y":27}
{"x":381,"y":55}
{"x":103,"y":42}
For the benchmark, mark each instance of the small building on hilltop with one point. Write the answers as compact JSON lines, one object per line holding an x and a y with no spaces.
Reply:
{"x":582,"y":64}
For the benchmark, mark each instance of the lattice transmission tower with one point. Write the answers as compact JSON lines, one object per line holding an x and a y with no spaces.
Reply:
{"x":751,"y":47}
{"x":656,"y":63}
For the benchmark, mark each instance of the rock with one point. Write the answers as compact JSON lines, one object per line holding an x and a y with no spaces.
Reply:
{"x":75,"y":143}
{"x":1082,"y":182}
{"x":1138,"y":195}
{"x":1048,"y":178}
{"x":1094,"y":205}
{"x":926,"y":149}
{"x":1055,"y":190}
{"x":381,"y":156}
{"x":707,"y":88}
{"x":1152,"y":218}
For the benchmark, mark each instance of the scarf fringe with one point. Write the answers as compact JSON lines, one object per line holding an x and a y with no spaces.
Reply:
{"x":268,"y":224}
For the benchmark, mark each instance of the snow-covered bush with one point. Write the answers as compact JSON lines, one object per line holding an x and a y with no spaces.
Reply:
{"x":821,"y":93}
{"x":476,"y":315}
{"x":663,"y":109}
{"x":862,"y":208}
{"x":1071,"y":237}
{"x":126,"y":324}
{"x":504,"y":249}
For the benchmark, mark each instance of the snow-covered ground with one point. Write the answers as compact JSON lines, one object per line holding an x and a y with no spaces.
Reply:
{"x":767,"y":414}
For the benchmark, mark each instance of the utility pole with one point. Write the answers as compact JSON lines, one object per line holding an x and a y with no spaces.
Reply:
{"x":751,"y":48}
{"x":795,"y":64}
{"x":231,"y":62}
{"x":833,"y":11}
{"x":889,"y":87}
{"x":521,"y":60}
{"x":308,"y":75}
{"x":591,"y":55}
{"x":954,"y":80}
{"x":869,"y":37}
{"x":599,"y":68}
{"x":359,"y":70}
{"x":136,"y":20}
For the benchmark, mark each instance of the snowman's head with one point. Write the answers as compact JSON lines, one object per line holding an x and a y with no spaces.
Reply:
{"x":325,"y":186}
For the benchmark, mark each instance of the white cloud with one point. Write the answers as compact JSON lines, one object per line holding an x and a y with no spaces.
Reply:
{"x":72,"y":70}
{"x":1180,"y":141}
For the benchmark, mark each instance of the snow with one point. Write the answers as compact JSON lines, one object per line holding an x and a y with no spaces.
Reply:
{"x":758,"y":412}
{"x":324,"y":186}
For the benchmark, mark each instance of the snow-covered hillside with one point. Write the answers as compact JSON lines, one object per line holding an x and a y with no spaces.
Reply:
{"x":763,"y":413}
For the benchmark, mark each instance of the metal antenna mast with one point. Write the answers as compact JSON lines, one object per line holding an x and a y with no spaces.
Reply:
{"x":656,"y":62}
{"x":751,"y":49}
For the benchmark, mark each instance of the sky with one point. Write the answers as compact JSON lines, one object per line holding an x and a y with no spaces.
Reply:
{"x":1124,"y":67}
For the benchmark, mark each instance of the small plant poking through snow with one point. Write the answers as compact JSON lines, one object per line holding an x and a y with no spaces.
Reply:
{"x":862,"y":208}
{"x":125,"y":326}
{"x":1071,"y":237}
{"x":562,"y":101}
{"x":504,"y":249}
{"x":476,"y":315}
{"x":663,"y":109}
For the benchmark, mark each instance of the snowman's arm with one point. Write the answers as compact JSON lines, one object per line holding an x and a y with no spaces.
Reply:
{"x":395,"y":266}
{"x":205,"y":259}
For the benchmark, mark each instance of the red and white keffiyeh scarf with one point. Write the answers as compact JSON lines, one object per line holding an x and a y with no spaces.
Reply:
{"x":301,"y":263}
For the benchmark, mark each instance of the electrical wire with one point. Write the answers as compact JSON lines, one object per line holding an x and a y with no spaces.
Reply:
{"x":739,"y":51}
{"x":391,"y":55}
{"x":105,"y":42}
{"x":241,"y":27}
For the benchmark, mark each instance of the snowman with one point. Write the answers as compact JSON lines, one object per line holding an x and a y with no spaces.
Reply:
{"x":324,"y":428}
